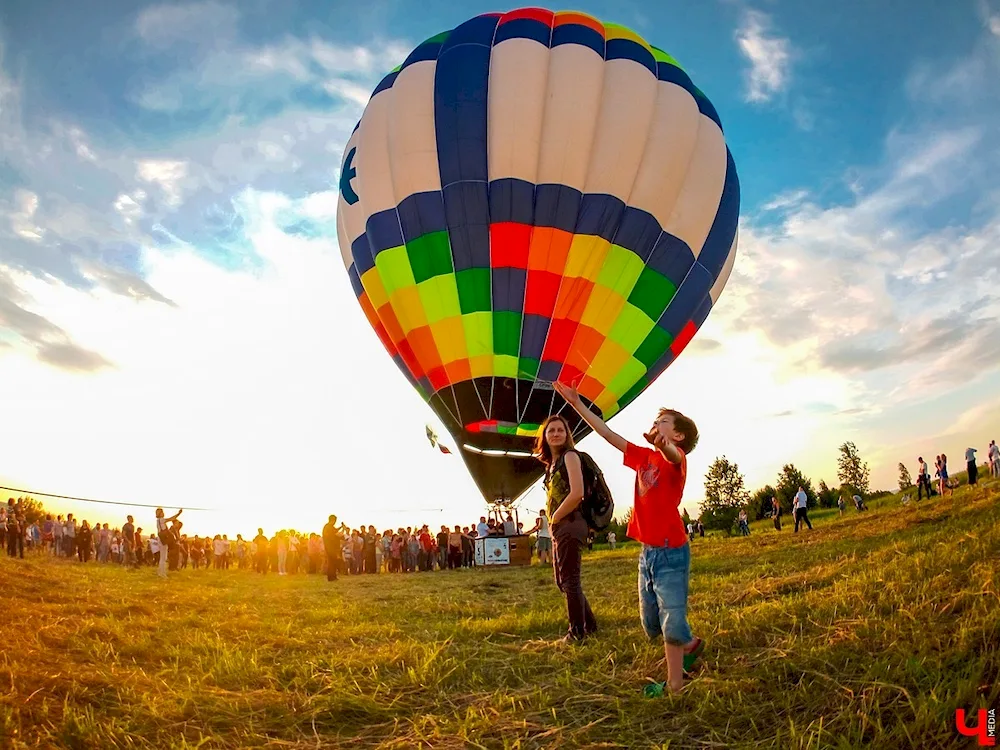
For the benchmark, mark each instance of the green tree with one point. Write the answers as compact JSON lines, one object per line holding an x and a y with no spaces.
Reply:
{"x":827,"y":497}
{"x":725,"y":494}
{"x":851,"y":470}
{"x":789,"y":482}
{"x":760,"y":501}
{"x":905,"y":481}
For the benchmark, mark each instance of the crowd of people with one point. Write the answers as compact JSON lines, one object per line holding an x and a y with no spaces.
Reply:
{"x":944,"y":481}
{"x":358,"y":551}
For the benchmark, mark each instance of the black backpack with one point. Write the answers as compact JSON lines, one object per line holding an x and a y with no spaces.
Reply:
{"x":597,"y":506}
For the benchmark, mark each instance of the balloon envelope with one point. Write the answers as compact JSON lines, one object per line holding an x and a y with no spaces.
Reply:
{"x":532,"y":197}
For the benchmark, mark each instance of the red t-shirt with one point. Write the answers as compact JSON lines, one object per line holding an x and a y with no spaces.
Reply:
{"x":659,"y":485}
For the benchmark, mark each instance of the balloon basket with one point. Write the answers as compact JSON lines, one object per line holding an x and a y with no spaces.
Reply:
{"x":503,"y":551}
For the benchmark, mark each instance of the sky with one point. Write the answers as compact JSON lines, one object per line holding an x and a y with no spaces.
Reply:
{"x":177,"y":326}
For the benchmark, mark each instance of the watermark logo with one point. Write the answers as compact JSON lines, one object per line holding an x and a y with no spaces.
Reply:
{"x":985,"y":730}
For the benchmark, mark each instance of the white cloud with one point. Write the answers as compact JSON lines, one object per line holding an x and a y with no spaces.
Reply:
{"x":994,"y":25}
{"x":167,"y":24}
{"x":770,"y":57}
{"x":80,"y":145}
{"x":168,"y":174}
{"x":22,"y":218}
{"x":789,"y":199}
{"x":129,"y":206}
{"x":219,"y":75}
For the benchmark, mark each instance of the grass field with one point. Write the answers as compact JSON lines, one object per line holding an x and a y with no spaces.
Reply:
{"x":868,"y":631}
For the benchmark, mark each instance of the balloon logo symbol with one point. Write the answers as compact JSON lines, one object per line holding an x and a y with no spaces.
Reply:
{"x":348,"y":174}
{"x":546,"y":198}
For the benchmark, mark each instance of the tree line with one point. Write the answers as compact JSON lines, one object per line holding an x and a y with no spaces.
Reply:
{"x":726,"y":493}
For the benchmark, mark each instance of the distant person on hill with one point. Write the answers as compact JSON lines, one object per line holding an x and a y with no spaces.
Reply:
{"x":442,"y":545}
{"x":128,"y":541}
{"x":942,"y":474}
{"x":166,"y":538}
{"x":69,"y":536}
{"x":332,"y":546}
{"x":923,"y":478}
{"x":84,"y":542}
{"x":260,"y":543}
{"x":744,"y":522}
{"x":48,"y":532}
{"x":801,"y":512}
{"x":16,"y":527}
{"x":665,"y":559}
{"x":776,"y":513}
{"x":994,"y":456}
{"x":612,"y":540}
{"x":859,"y":503}
{"x":841,"y":504}
{"x":543,"y":539}
{"x":971,"y":467}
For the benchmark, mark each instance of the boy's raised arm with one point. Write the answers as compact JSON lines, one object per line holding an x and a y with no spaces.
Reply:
{"x":599,"y":426}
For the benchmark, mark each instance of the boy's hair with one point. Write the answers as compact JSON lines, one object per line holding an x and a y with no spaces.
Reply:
{"x":684,"y":425}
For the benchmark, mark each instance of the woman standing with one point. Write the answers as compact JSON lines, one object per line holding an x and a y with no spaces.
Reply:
{"x":942,"y":472}
{"x":564,"y":493}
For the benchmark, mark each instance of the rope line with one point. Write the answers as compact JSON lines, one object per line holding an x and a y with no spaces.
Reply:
{"x":91,"y":500}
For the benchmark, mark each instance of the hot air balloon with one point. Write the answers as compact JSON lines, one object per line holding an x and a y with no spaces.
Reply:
{"x":535,"y":197}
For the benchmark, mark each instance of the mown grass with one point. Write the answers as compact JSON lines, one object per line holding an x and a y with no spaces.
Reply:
{"x":868,"y":631}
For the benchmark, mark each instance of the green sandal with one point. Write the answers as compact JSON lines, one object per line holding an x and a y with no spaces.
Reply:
{"x":691,"y":658}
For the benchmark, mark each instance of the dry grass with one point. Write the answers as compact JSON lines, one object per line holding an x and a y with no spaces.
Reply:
{"x":868,"y":631}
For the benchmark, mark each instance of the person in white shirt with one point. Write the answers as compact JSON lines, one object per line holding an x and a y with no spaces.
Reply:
{"x":544,"y":538}
{"x":799,"y":506}
{"x":612,"y":539}
{"x":971,"y":466}
{"x":994,"y":456}
{"x":923,"y":478}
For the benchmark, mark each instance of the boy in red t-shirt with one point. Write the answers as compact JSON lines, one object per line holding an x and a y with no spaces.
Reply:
{"x":665,"y":561}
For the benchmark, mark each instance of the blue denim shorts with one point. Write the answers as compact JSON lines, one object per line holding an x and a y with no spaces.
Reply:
{"x":664,"y":573}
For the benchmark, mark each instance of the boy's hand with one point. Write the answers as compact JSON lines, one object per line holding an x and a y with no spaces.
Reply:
{"x":570,"y":395}
{"x":657,"y":440}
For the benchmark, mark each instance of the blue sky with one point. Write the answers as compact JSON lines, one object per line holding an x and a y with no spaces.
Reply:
{"x":167,"y":169}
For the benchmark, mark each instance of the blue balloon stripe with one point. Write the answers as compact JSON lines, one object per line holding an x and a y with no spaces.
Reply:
{"x":466,"y":209}
{"x":720,"y":237}
{"x":690,"y":294}
{"x":672,"y":74}
{"x":574,"y":33}
{"x":626,"y":49}
{"x":385,"y":84}
{"x":524,"y":28}
{"x":461,"y":94}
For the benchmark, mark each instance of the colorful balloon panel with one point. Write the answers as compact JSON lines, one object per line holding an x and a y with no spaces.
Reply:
{"x":531,"y":197}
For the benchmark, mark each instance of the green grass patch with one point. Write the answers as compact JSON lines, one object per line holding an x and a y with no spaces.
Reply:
{"x":869,"y":630}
